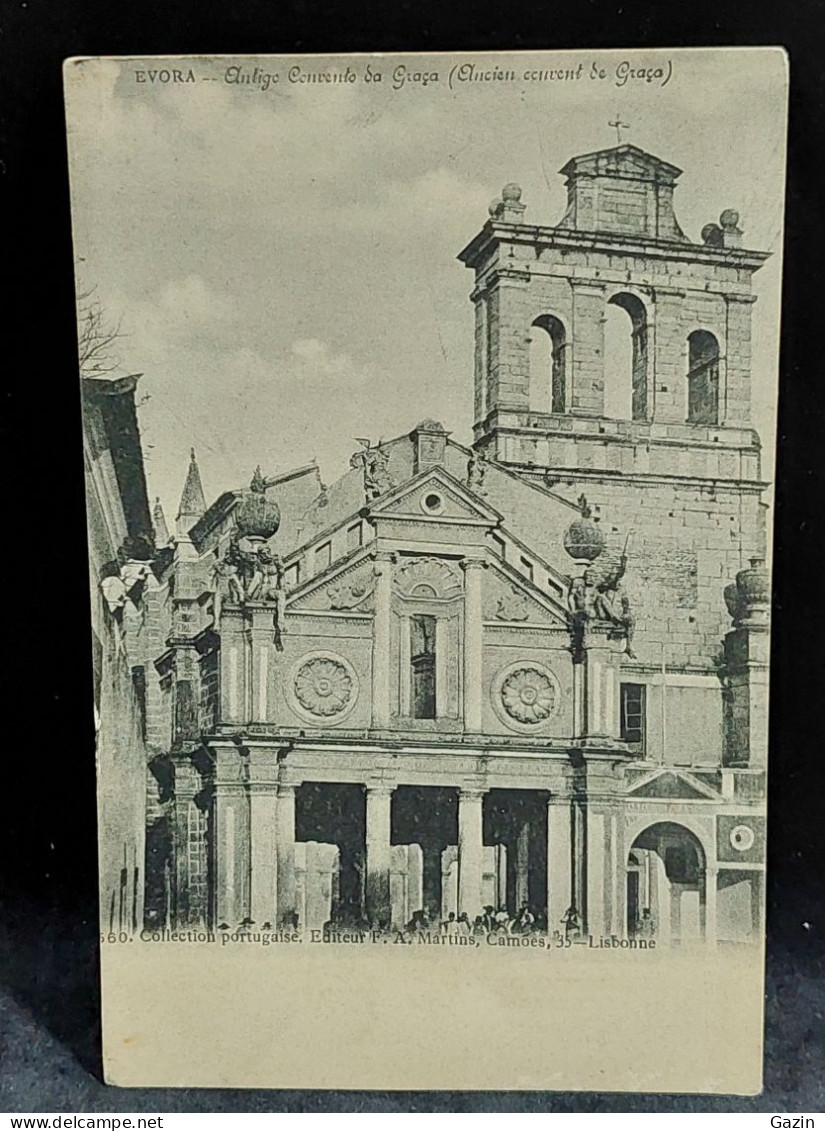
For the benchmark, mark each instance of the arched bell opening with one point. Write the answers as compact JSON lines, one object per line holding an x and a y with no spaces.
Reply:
{"x":548,"y":352}
{"x":703,"y":378}
{"x":625,"y":358}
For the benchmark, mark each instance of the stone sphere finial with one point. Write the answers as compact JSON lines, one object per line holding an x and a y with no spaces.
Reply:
{"x":257,"y":516}
{"x":583,"y":540}
{"x":729,"y":218}
{"x":754,"y":592}
{"x":733,"y":601}
{"x":511,"y":193}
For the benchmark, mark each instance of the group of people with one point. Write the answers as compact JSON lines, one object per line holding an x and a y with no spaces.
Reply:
{"x":645,"y":927}
{"x":489,"y":922}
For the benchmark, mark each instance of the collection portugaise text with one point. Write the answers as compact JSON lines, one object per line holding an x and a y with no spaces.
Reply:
{"x":364,"y":937}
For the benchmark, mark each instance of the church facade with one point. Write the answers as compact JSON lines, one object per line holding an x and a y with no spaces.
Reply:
{"x":527,"y":674}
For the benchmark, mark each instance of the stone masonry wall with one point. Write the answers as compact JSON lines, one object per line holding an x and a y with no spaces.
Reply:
{"x":687,"y":542}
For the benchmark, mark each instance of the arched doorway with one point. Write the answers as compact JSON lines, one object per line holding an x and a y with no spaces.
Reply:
{"x":667,"y":896}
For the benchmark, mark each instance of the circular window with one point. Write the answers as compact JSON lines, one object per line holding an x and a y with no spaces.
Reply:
{"x":742,"y":838}
{"x":432,"y":503}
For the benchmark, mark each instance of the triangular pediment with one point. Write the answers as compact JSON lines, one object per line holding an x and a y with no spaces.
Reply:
{"x":346,"y":586}
{"x":434,"y":495}
{"x":510,"y":598}
{"x":622,"y":161}
{"x":672,"y":785}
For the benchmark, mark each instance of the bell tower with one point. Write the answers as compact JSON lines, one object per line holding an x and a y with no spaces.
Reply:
{"x":544,"y":295}
{"x":674,"y":479}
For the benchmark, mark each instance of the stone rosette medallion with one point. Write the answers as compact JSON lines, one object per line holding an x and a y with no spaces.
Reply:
{"x":322,"y":688}
{"x":526,"y":695}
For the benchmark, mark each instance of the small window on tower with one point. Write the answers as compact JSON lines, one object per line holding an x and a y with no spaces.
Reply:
{"x":422,"y":666}
{"x":499,"y":546}
{"x":527,"y":568}
{"x":633,"y":713}
{"x":292,"y":575}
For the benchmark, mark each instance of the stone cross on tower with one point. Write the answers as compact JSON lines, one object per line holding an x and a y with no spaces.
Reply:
{"x":618,"y":126}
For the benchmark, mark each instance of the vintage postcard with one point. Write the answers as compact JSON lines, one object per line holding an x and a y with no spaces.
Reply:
{"x":428,"y":413}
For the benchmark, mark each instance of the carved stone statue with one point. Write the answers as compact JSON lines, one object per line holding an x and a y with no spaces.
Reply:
{"x":272,"y":590}
{"x":235,"y":563}
{"x":227,"y":579}
{"x":613,"y":605}
{"x":605,"y":605}
{"x":602,"y":600}
{"x":477,"y":472}
{"x":271,"y":574}
{"x":245,"y":575}
{"x":374,"y":463}
{"x":252,"y":573}
{"x":582,"y":596}
{"x":628,"y":624}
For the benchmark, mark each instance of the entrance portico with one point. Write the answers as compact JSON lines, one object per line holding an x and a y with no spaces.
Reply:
{"x":374,"y":853}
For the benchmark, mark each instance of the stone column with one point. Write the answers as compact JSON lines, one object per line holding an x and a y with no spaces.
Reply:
{"x":185,"y":838}
{"x":230,"y":849}
{"x":676,"y":914}
{"x":709,"y":900}
{"x":667,"y":359}
{"x":261,"y":652}
{"x":587,"y":370}
{"x":379,"y":803}
{"x":559,"y":862}
{"x":734,"y":393}
{"x":431,"y":879}
{"x":595,"y":869}
{"x":285,"y":854}
{"x":508,"y":306}
{"x":579,"y":698}
{"x":747,"y":655}
{"x":263,"y":816}
{"x":470,"y":852}
{"x":579,"y":830}
{"x":479,"y":298}
{"x":381,"y":642}
{"x":186,"y":699}
{"x":473,"y":645}
{"x":521,"y":845}
{"x":602,"y":690}
{"x":617,"y":857}
{"x":232,"y":658}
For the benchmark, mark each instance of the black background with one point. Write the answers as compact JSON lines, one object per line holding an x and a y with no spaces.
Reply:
{"x":49,"y":1028}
